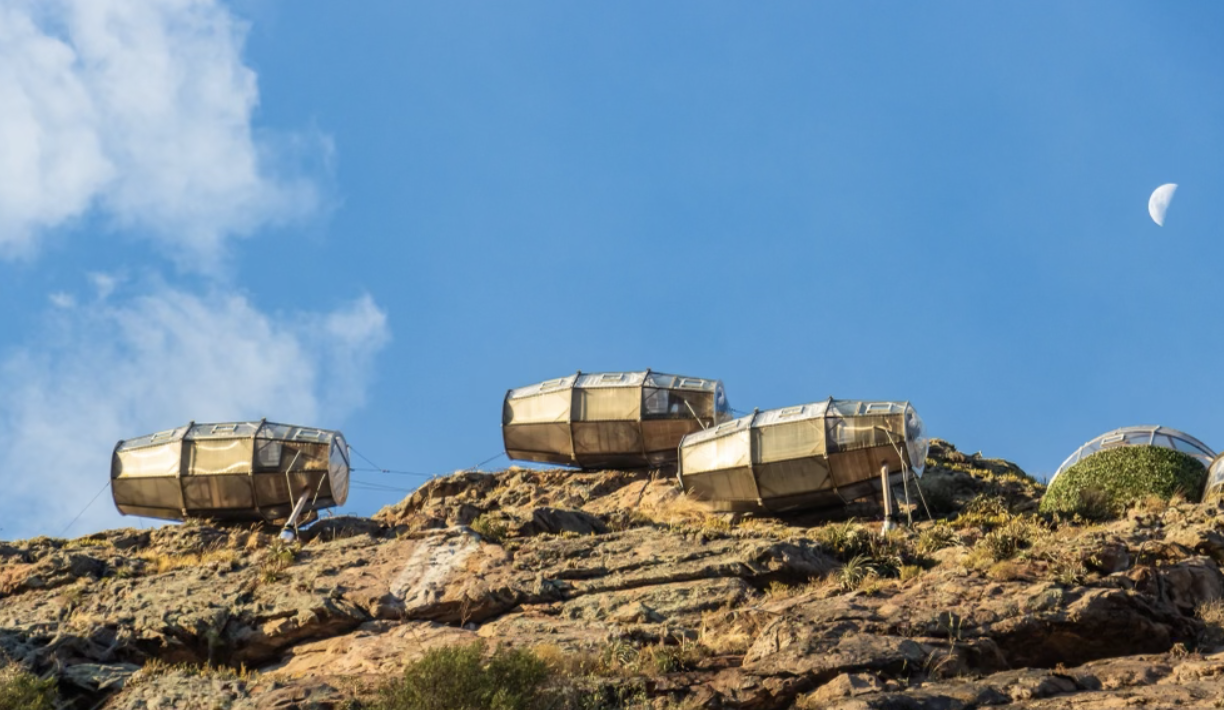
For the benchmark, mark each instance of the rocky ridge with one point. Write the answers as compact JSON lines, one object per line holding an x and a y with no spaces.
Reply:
{"x":634,"y":593}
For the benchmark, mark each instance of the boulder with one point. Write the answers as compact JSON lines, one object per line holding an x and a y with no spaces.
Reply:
{"x":1185,"y":585}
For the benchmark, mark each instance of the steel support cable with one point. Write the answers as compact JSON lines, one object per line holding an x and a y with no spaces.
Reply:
{"x":379,"y":469}
{"x":917,"y":487}
{"x":86,"y":508}
{"x":906,"y":472}
{"x":391,"y":471}
{"x":494,"y":457}
{"x":371,"y":486}
{"x":375,"y":468}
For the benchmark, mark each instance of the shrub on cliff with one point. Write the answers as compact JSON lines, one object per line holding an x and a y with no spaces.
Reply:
{"x":1103,"y":484}
{"x":22,"y":691}
{"x":464,"y":677}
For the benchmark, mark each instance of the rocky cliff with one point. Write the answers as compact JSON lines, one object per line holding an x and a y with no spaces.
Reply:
{"x":631,"y":592}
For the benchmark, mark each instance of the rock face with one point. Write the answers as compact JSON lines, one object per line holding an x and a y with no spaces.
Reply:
{"x":614,"y":578}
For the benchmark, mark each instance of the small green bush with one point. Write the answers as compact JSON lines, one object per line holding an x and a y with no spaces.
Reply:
{"x":22,"y":691}
{"x":1103,"y":484}
{"x":845,"y":540}
{"x":849,"y":541}
{"x":490,"y":528}
{"x":986,"y":512}
{"x":1007,"y":541}
{"x":936,"y":538}
{"x":464,"y":677}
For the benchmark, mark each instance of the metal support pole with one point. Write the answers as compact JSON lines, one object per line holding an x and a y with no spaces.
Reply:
{"x":289,"y":532}
{"x":886,"y":492}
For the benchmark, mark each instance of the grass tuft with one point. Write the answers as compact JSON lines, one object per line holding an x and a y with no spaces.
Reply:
{"x":20,"y":690}
{"x":490,"y":529}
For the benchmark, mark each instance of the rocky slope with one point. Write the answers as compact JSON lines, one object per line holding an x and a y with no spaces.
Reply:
{"x":637,"y":597}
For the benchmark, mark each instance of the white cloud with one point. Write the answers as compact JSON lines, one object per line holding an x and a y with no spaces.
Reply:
{"x":141,"y":110}
{"x":102,"y":372}
{"x":104,"y":284}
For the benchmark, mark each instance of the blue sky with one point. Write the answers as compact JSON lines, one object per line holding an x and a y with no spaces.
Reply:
{"x":380,"y":216}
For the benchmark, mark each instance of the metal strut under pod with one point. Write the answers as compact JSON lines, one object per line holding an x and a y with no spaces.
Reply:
{"x":886,"y":493}
{"x":289,"y":532}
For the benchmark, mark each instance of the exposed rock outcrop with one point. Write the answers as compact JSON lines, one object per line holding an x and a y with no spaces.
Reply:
{"x":617,"y":578}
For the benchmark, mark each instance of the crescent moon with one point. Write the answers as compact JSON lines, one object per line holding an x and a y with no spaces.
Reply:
{"x":1158,"y":203}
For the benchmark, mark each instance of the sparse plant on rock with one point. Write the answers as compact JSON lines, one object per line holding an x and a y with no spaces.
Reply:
{"x":605,"y":694}
{"x":278,"y":558}
{"x":621,"y":520}
{"x":781,"y":590}
{"x":661,"y":659}
{"x":986,"y":512}
{"x":1005,"y":571}
{"x":20,"y":690}
{"x":1105,"y":483}
{"x":1007,"y":541}
{"x":1067,"y":569}
{"x":856,"y":571}
{"x":1212,"y":615}
{"x":937,"y":537}
{"x":864,"y":552}
{"x":464,"y":677}
{"x":490,"y":528}
{"x":727,"y":631}
{"x":156,"y":667}
{"x":162,"y":561}
{"x":844,"y":540}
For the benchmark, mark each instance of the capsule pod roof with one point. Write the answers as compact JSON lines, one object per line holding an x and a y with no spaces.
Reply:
{"x":1144,"y":435}
{"x":609,"y":419}
{"x":232,"y":472}
{"x":810,"y":456}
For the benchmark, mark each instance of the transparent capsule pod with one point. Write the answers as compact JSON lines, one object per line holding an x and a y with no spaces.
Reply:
{"x":1215,"y":480}
{"x":811,"y":456}
{"x":609,"y":419}
{"x":1145,"y":435}
{"x":230,"y":472}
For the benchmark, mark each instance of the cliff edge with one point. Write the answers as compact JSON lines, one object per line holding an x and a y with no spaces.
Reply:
{"x":633,"y":595}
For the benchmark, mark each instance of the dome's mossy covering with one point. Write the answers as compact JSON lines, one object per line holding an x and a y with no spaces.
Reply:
{"x":1103,"y":484}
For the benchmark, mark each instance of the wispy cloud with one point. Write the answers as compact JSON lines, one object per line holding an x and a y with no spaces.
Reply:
{"x":102,"y":372}
{"x":136,"y":115}
{"x":138,"y":111}
{"x":59,"y":299}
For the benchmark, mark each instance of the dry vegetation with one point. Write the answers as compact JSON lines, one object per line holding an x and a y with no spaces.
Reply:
{"x":161,"y":562}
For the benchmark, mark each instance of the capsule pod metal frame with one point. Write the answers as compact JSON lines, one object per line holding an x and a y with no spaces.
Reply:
{"x":230,"y":472}
{"x":817,"y":455}
{"x":1142,"y":435}
{"x":609,"y":419}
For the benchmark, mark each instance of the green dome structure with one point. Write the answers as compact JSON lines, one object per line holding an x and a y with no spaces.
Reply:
{"x":1126,"y":465}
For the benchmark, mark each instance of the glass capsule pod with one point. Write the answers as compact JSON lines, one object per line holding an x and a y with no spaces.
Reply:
{"x":1144,"y":435}
{"x":815,"y":455}
{"x":230,"y":472}
{"x":1215,"y":480}
{"x":609,"y":419}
